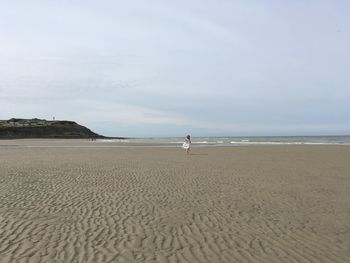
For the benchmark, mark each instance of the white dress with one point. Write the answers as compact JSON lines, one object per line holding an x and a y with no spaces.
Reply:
{"x":187,"y":144}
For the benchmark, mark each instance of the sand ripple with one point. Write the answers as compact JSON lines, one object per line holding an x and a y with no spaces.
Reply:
{"x":254,"y":204}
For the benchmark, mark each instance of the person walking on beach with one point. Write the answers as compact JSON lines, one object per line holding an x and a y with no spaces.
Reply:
{"x":187,"y":144}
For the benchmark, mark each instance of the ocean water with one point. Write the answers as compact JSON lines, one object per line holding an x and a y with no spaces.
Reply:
{"x":239,"y":141}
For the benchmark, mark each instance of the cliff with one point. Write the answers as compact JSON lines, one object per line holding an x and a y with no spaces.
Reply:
{"x":38,"y":128}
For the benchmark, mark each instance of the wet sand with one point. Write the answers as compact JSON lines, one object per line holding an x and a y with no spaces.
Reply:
{"x":76,"y":202}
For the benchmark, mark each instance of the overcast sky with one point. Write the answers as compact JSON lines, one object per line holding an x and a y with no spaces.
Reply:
{"x":168,"y":68}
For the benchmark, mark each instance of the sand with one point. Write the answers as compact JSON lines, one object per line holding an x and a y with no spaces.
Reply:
{"x":155,"y":204}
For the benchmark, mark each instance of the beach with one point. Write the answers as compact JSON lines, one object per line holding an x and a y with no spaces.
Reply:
{"x":80,"y":201}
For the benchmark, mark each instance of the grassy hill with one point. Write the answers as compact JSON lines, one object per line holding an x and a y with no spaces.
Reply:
{"x":38,"y":128}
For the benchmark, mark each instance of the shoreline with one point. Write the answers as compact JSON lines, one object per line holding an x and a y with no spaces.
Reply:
{"x":121,"y":143}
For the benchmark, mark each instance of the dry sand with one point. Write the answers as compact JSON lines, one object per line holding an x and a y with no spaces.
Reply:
{"x":141,"y":204}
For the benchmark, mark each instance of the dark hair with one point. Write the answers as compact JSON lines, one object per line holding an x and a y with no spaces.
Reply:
{"x":188,"y":137}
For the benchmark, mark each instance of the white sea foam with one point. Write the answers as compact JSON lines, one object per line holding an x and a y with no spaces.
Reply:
{"x":234,"y":141}
{"x":112,"y":140}
{"x":288,"y":143}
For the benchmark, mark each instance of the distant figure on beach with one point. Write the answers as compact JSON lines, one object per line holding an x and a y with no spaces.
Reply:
{"x":187,"y":144}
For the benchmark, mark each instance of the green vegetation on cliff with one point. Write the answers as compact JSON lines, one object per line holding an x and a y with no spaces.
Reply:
{"x":38,"y":128}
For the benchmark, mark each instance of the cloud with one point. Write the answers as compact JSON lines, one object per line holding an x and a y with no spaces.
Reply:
{"x":214,"y":67}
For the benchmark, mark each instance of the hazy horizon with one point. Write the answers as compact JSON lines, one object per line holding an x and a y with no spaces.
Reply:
{"x":155,"y":68}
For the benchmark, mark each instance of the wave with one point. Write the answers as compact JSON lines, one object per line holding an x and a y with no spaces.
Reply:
{"x":238,"y":141}
{"x":289,"y":143}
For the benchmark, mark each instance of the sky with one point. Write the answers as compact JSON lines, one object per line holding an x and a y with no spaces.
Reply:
{"x":171,"y":68}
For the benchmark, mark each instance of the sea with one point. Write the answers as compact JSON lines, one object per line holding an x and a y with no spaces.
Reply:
{"x":241,"y":141}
